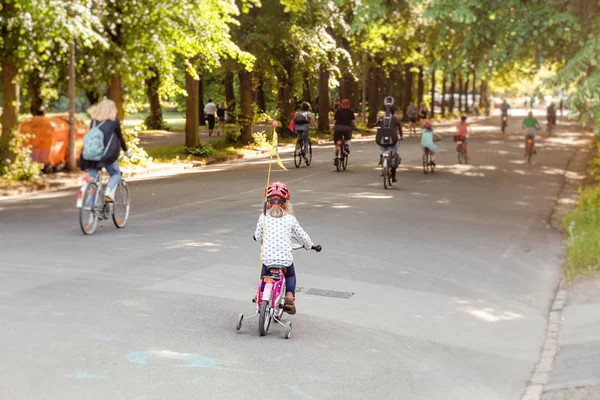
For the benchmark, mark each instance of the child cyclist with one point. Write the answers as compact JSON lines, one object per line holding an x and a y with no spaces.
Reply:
{"x":428,"y":137}
{"x":463,"y":131}
{"x":279,"y":227}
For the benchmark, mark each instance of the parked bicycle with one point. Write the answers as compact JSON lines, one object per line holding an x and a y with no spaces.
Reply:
{"x":94,"y":207}
{"x":299,"y":152}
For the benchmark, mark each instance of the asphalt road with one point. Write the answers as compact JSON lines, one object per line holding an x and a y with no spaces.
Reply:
{"x":451,"y":275}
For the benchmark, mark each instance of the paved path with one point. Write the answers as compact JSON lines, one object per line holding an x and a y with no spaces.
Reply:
{"x":451,"y":275}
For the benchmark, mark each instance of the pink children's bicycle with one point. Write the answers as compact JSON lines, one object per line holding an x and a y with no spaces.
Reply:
{"x":270,"y":300}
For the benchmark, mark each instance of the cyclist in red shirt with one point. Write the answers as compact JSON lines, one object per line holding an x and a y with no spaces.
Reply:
{"x":463,"y":131}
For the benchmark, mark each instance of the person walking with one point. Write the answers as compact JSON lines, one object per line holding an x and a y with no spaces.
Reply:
{"x":222,"y":116}
{"x":209,"y":110}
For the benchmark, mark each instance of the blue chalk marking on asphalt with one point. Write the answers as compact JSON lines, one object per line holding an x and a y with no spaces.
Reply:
{"x":190,"y":360}
{"x":324,"y":346}
{"x":59,"y":314}
{"x":301,"y":393}
{"x":374,"y":351}
{"x":142,"y":315}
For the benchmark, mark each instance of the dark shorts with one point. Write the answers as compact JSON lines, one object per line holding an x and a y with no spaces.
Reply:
{"x":412,"y":120}
{"x":342,"y":131}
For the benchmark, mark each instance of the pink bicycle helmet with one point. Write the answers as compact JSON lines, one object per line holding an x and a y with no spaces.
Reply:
{"x":277,"y":191}
{"x":427,"y":124}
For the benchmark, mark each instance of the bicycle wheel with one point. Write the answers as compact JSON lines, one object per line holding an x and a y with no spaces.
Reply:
{"x":121,"y":205}
{"x":430,"y":164}
{"x":386,"y":172}
{"x":529,"y":154}
{"x":88,"y":221}
{"x":425,"y":163}
{"x":345,"y":163}
{"x":459,"y":154}
{"x":338,"y":163}
{"x":298,"y":154}
{"x":264,"y":318}
{"x":309,"y":155}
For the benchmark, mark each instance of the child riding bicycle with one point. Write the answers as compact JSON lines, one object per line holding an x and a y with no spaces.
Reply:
{"x":463,"y":131}
{"x":275,"y":230}
{"x":427,"y":137}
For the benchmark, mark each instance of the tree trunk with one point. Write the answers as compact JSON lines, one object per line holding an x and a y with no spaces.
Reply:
{"x":259,"y":95}
{"x":324,"y":98}
{"x":372,"y":95}
{"x":155,"y":118}
{"x":432,"y":93}
{"x":467,"y":92}
{"x":474,"y":99}
{"x":192,"y":130}
{"x":71,"y":89}
{"x":421,"y":85}
{"x":93,"y":96}
{"x":10,"y":107}
{"x":306,"y":87}
{"x":460,"y":93}
{"x":35,"y":91}
{"x":229,"y":89}
{"x":246,"y":111}
{"x":444,"y":93}
{"x":115,"y":93}
{"x":201,"y":101}
{"x":452,"y":91}
{"x":287,"y":101}
{"x":408,"y":87}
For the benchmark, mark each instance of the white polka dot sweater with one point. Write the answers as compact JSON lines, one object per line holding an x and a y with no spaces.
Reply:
{"x":278,"y":238}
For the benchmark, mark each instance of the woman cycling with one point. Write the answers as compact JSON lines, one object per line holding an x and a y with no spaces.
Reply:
{"x":345,"y":121}
{"x":104,"y":117}
{"x":304,"y":121}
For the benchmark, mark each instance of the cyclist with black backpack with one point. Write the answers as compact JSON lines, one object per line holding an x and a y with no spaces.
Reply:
{"x":387,"y":135}
{"x":304,"y":121}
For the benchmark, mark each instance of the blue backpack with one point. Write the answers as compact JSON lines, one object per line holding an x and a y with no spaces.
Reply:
{"x":93,"y":143}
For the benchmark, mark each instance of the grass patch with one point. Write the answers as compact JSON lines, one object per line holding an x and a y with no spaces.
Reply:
{"x":583,"y":228}
{"x":583,"y":225}
{"x":178,"y":153}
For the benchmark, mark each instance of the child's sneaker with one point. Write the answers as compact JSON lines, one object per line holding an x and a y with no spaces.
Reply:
{"x":290,"y":306}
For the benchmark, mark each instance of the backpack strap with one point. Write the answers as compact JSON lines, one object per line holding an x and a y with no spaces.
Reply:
{"x":108,"y":144}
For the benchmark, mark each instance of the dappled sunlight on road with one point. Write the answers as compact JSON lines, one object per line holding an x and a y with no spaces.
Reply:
{"x":370,"y":195}
{"x":210,"y":247}
{"x":486,"y":314}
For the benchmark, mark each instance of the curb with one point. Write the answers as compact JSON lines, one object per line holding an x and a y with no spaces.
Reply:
{"x":544,"y":368}
{"x":576,"y":166}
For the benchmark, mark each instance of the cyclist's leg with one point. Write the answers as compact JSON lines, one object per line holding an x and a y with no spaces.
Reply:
{"x":93,"y":173}
{"x":305,"y":137}
{"x":115,"y":176}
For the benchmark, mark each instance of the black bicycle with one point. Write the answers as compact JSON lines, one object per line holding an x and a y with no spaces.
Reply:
{"x":341,"y":155}
{"x":428,"y":164}
{"x":504,"y":123}
{"x":299,"y":152}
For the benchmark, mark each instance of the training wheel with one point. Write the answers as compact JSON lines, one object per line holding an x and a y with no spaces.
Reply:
{"x":239,"y":323}
{"x":288,"y":334}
